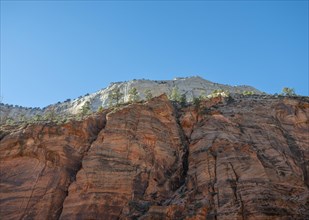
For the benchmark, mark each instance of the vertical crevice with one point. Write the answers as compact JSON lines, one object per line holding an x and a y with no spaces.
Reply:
{"x":32,"y":190}
{"x":185,"y":148}
{"x":236,"y":192}
{"x":216,"y":193}
{"x":94,"y":136}
{"x":215,"y":172}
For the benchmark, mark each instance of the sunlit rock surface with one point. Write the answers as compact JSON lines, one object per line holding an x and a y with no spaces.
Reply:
{"x":190,"y":86}
{"x":229,"y":158}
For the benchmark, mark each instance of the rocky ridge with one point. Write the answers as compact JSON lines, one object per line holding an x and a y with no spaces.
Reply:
{"x":227,"y":158}
{"x":190,"y":86}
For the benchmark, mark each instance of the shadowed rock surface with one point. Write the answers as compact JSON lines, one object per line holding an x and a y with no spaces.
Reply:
{"x":233,"y":158}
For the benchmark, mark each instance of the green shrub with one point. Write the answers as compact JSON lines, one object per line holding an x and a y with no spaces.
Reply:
{"x":288,"y":91}
{"x":248,"y":93}
{"x":219,"y":92}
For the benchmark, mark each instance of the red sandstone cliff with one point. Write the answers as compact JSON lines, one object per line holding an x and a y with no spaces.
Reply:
{"x":245,"y":158}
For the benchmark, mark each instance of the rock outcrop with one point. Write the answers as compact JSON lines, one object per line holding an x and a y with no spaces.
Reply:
{"x":189,"y":86}
{"x":227,"y":158}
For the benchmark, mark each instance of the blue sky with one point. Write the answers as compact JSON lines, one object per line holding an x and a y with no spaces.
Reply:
{"x":54,"y":50}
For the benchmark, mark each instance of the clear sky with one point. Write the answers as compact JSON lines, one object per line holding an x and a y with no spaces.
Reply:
{"x":54,"y":50}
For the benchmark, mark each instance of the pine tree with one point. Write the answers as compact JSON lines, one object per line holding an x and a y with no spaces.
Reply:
{"x":148,"y":94}
{"x":203,"y":95}
{"x":37,"y":117}
{"x":183,"y":100}
{"x":175,"y":95}
{"x":51,"y":114}
{"x":196,"y":103}
{"x":114,"y":97}
{"x":100,"y":109}
{"x":133,"y":95}
{"x":85,"y":109}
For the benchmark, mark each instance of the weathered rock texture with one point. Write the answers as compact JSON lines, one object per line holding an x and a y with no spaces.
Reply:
{"x":38,"y":163}
{"x":189,"y":86}
{"x":241,"y":158}
{"x":249,"y":160}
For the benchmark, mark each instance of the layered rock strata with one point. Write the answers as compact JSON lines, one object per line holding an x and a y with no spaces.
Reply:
{"x":240,"y":158}
{"x":38,"y":163}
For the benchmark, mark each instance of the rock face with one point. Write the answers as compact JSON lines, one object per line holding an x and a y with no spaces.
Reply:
{"x":249,"y":160}
{"x":190,"y":87}
{"x":240,"y":158}
{"x":38,"y":163}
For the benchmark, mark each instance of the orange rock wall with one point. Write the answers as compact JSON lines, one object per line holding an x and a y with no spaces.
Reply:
{"x":241,"y":158}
